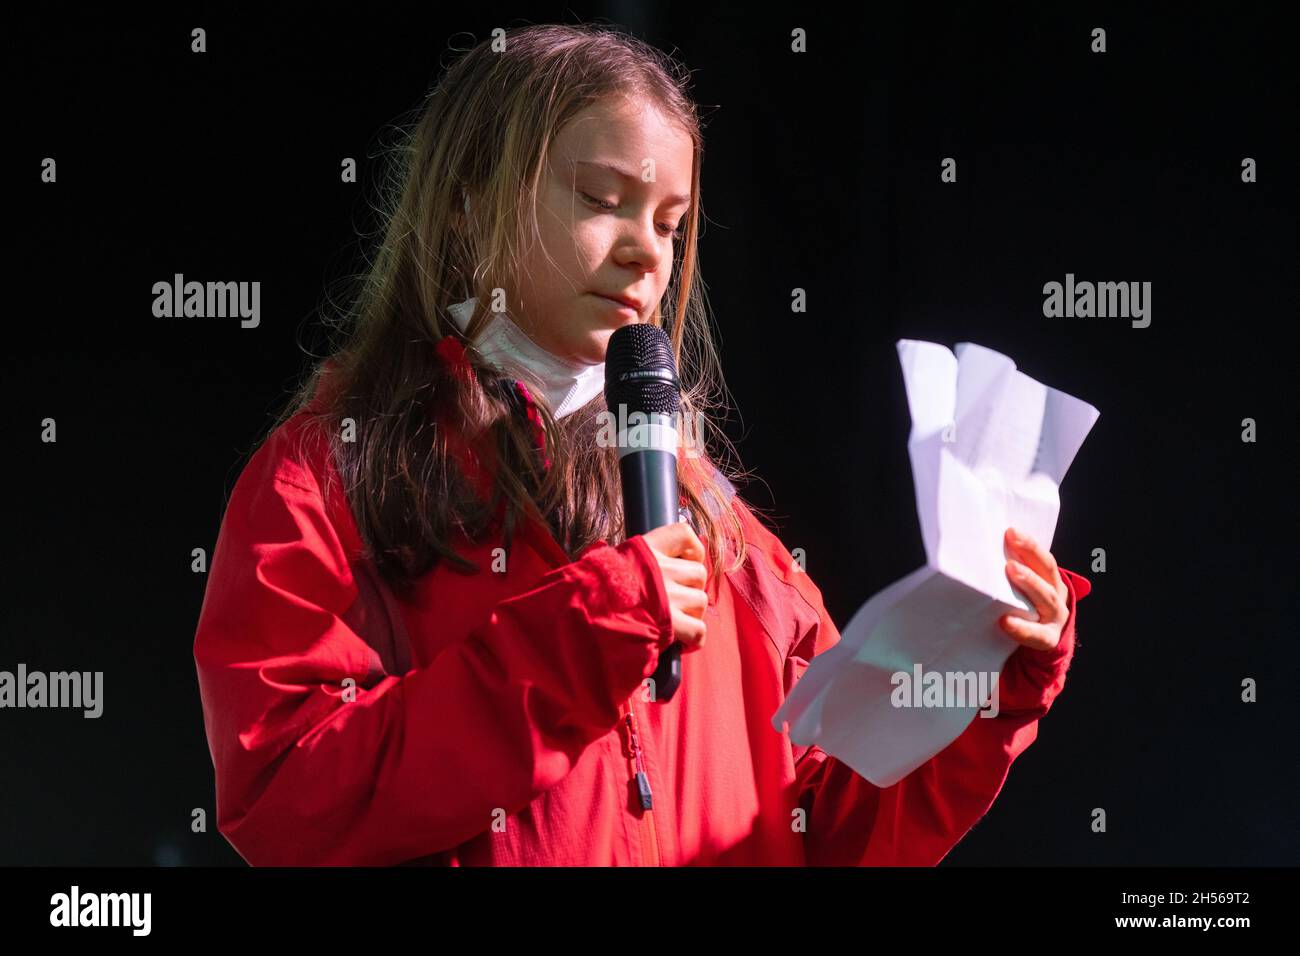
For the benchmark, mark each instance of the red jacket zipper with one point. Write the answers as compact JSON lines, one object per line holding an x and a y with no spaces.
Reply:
{"x":641,"y":780}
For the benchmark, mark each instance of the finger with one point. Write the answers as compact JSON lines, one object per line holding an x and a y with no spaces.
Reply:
{"x":1030,"y":552}
{"x":692,"y":600}
{"x":1045,"y":598}
{"x":1039,"y":637}
{"x":686,"y":572}
{"x":690,"y":632}
{"x":694,"y":547}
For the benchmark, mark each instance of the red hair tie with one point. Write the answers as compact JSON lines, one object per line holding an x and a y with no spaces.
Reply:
{"x":535,"y":418}
{"x":452,"y":354}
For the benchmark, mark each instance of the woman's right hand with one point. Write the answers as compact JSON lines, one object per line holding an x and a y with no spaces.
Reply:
{"x":681,"y":562}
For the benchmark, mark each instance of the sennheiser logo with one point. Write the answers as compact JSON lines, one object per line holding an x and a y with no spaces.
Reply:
{"x":103,"y":909}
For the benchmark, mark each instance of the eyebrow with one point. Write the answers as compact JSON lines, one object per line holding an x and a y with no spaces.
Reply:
{"x":678,"y":200}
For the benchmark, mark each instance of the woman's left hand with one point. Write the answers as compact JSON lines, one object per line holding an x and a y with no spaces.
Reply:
{"x":1036,"y":576}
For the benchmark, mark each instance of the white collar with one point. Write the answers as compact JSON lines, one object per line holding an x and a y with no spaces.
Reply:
{"x":564,"y":384}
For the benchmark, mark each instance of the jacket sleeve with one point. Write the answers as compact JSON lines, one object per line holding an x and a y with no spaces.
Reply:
{"x":916,"y":821}
{"x":310,"y":771}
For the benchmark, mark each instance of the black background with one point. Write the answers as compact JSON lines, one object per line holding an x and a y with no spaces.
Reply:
{"x":821,"y":172}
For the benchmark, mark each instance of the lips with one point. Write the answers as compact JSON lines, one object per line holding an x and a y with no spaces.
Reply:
{"x":623,"y":300}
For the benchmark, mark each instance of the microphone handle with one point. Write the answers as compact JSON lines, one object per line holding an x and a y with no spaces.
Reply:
{"x":650,"y":500}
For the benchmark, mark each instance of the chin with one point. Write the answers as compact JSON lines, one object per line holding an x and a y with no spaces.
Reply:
{"x":594,"y":349}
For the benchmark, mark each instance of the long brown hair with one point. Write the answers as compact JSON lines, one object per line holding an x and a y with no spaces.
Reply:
{"x":485,"y":130}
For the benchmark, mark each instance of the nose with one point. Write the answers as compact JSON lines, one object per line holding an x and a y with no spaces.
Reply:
{"x":639,"y":245}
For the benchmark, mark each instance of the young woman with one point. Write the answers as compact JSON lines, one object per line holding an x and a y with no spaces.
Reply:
{"x":425,"y":638}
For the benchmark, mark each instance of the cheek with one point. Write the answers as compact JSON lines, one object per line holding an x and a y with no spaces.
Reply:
{"x":661,"y":280}
{"x":568,"y":235}
{"x":586,"y":242}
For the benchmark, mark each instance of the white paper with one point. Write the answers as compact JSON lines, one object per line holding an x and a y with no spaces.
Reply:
{"x":989,"y":447}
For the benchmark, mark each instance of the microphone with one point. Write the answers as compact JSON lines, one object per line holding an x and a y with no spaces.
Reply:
{"x":644,"y":396}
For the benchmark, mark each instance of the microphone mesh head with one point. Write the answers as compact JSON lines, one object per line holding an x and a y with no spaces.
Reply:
{"x":640,"y":372}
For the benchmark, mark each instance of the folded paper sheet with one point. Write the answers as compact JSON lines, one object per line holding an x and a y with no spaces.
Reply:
{"x":989,"y":447}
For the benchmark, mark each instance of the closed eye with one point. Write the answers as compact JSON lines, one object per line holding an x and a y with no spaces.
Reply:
{"x":597,"y":202}
{"x":670,"y":232}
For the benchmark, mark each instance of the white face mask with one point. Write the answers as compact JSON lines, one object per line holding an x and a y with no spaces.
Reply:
{"x":563,"y":384}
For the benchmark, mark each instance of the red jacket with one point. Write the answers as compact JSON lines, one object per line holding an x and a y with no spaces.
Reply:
{"x":499,"y":719}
